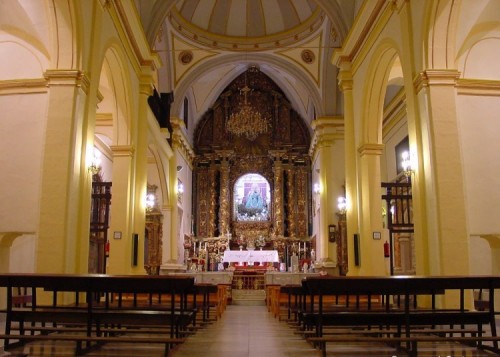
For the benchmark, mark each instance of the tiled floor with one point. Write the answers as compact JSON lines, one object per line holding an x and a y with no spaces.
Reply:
{"x":244,"y":331}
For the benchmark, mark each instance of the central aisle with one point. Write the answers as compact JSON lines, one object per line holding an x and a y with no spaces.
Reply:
{"x":245,"y":331}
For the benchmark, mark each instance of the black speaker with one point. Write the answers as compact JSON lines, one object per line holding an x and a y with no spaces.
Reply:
{"x":135,"y":248}
{"x":356,"y":249}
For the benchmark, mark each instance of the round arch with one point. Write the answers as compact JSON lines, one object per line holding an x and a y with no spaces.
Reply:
{"x":117,"y":87}
{"x":378,"y":76}
{"x":442,"y":17}
{"x":267,"y":64}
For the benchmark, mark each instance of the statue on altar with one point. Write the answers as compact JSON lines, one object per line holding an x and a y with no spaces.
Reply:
{"x":254,"y":199}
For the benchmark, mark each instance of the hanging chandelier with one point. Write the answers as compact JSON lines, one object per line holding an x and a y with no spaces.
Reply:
{"x":247,"y":121}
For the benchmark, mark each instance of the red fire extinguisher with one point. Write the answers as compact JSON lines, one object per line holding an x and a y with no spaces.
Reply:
{"x":106,"y":249}
{"x":387,"y":250}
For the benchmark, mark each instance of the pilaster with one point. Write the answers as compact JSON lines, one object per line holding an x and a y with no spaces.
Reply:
{"x":62,"y":166}
{"x":327,"y":132}
{"x":352,"y":219}
{"x":120,"y":256}
{"x":371,"y":251}
{"x":443,"y":154}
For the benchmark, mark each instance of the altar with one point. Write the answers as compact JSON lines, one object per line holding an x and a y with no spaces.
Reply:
{"x":251,"y":256}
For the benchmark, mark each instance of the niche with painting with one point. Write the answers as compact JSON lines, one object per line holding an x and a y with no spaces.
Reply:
{"x":252,"y":198}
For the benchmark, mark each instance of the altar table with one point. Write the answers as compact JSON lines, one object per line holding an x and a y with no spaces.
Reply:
{"x":245,"y":256}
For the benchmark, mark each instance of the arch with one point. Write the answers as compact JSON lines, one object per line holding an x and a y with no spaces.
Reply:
{"x":67,"y":33}
{"x":271,"y":66}
{"x":439,"y":34}
{"x":161,"y":174}
{"x":377,"y":77}
{"x":115,"y":86}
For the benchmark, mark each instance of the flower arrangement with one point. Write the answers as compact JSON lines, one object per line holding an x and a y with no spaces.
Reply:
{"x":260,"y":242}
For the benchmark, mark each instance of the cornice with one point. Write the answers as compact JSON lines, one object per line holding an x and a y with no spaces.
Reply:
{"x":23,"y":86}
{"x":130,"y":30}
{"x":212,"y":40}
{"x":360,"y":30}
{"x":327,"y":130}
{"x":180,"y":141}
{"x":480,"y":87}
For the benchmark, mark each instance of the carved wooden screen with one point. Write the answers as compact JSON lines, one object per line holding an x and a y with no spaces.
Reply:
{"x":99,"y":224}
{"x":399,"y":208}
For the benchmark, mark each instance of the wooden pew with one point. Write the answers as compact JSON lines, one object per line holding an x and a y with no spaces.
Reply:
{"x":97,"y":309}
{"x":406,"y":321}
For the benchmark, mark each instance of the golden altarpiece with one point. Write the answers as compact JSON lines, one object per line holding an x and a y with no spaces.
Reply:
{"x":252,"y":174}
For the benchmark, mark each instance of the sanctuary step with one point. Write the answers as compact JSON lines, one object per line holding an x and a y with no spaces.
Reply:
{"x":248,"y":287}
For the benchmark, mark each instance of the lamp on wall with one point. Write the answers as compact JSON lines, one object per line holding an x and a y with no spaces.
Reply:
{"x":95,"y":165}
{"x":180,"y":189}
{"x":406,"y":163}
{"x":316,"y":189}
{"x":150,"y":201}
{"x":342,"y":205}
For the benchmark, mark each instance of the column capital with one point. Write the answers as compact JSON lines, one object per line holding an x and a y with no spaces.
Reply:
{"x":122,"y":150}
{"x":345,"y":78}
{"x":67,"y":77}
{"x":277,"y":155}
{"x":371,"y":149}
{"x":436,"y":77}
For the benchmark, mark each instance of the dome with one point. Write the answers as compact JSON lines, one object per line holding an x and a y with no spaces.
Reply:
{"x":246,"y":24}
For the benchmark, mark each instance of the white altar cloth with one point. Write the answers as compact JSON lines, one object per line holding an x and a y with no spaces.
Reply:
{"x":245,"y":256}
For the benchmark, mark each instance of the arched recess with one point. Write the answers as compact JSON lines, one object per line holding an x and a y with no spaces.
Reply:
{"x":377,"y":78}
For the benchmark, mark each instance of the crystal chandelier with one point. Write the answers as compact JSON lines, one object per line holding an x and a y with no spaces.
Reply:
{"x":247,"y":121}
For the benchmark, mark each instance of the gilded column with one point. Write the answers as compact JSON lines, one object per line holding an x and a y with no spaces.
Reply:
{"x":213,"y":200}
{"x":278,"y":194}
{"x":302,"y":187}
{"x":224,"y":214}
{"x":291,"y":201}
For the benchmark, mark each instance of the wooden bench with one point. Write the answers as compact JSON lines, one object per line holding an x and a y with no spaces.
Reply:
{"x":93,"y":311}
{"x":404,"y":320}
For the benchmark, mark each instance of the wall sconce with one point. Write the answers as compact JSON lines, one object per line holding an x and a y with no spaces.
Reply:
{"x":150,"y":201}
{"x":180,"y":189}
{"x":95,"y":165}
{"x":342,"y":205}
{"x":406,"y":163}
{"x":316,"y":189}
